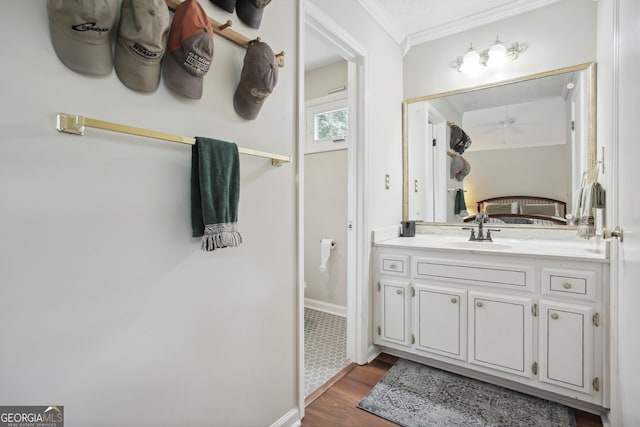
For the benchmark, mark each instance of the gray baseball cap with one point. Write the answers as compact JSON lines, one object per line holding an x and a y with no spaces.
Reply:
{"x":227,"y":5}
{"x":258,"y":79}
{"x":81,"y":33}
{"x":250,"y":11}
{"x":142,"y":38}
{"x":190,"y":50}
{"x":459,"y":168}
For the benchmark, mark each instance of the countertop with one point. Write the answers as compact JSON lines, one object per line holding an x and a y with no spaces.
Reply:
{"x":553,"y":246}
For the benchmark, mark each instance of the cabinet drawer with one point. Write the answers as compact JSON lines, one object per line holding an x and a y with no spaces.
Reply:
{"x":570,"y":283}
{"x":486,"y":274}
{"x":394,"y":264}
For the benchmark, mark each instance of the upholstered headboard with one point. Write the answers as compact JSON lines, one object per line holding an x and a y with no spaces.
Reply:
{"x":523,"y":205}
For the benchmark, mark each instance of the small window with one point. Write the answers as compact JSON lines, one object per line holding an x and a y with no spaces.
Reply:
{"x":327,"y":124}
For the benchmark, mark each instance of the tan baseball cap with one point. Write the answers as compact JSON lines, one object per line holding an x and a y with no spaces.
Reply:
{"x":190,"y":50}
{"x":142,"y":38}
{"x":258,"y":79}
{"x":81,"y":33}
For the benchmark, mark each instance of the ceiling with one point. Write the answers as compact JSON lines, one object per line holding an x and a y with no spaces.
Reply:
{"x":411,"y":22}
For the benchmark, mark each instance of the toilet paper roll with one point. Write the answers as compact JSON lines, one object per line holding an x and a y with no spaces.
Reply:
{"x":325,"y":251}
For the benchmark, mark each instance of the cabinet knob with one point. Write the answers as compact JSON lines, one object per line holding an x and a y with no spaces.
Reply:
{"x":399,"y":291}
{"x":554,"y":316}
{"x":454,"y":300}
{"x":392,"y":266}
{"x":567,"y":285}
{"x":479,"y":304}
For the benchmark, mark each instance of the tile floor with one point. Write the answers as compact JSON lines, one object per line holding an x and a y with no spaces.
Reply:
{"x":325,"y":343}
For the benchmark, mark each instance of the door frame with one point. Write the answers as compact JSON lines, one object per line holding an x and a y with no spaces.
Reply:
{"x":357,"y":193}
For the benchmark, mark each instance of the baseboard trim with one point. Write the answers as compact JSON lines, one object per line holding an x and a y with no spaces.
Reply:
{"x":338,"y":310}
{"x":372,"y":353}
{"x":290,"y":419}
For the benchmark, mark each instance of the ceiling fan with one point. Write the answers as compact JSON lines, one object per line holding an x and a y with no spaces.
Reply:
{"x":508,"y":122}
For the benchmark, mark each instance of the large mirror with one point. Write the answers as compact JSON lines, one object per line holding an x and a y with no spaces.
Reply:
{"x":532,"y":147}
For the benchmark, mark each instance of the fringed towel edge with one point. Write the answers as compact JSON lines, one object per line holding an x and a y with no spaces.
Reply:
{"x":586,"y":227}
{"x":218,"y":236}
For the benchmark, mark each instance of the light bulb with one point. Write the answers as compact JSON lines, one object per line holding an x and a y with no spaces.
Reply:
{"x":471,"y":61}
{"x":497,"y":54}
{"x":472,"y":55}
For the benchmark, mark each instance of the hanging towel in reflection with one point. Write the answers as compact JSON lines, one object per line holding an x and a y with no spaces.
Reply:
{"x":592,"y":197}
{"x":459,"y":168}
{"x":215,"y":193}
{"x":460,"y":207}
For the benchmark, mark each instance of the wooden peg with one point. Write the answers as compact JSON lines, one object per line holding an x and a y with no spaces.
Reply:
{"x":226,"y":25}
{"x":280,"y":59}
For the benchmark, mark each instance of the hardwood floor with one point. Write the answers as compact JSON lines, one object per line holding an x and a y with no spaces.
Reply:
{"x":335,"y":405}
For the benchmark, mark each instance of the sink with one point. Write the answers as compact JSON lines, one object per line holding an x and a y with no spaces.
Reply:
{"x":469,"y":244}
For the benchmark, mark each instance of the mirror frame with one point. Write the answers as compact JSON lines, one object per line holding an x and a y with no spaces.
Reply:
{"x":590,"y":67}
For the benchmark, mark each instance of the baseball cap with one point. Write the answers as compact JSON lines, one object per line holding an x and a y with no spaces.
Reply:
{"x":81,"y":33}
{"x":227,"y":5}
{"x":258,"y":78}
{"x":459,"y":140}
{"x":142,"y":36}
{"x":250,"y":11}
{"x":459,"y":168}
{"x":190,"y":50}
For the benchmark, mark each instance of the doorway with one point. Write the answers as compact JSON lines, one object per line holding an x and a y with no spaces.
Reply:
{"x":326,"y":146}
{"x":353,"y":223}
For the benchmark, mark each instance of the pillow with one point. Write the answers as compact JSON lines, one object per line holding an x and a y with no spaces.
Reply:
{"x":497,"y":208}
{"x":540,"y":209}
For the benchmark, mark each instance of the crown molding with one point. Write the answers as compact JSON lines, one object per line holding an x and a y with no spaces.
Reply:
{"x":384,"y":20}
{"x":405,"y":40}
{"x":508,"y":10}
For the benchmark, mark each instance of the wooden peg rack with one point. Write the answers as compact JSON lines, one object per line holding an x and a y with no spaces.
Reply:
{"x":225,"y":30}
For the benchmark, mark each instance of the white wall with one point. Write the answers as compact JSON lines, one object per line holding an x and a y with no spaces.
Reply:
{"x":559,"y":35}
{"x":107,"y":305}
{"x":547,"y":164}
{"x":325,"y":207}
{"x":384,"y":121}
{"x":319,"y":81}
{"x":325,"y":203}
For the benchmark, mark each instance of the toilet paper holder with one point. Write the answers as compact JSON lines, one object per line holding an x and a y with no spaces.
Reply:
{"x":325,"y":252}
{"x":333,"y":242}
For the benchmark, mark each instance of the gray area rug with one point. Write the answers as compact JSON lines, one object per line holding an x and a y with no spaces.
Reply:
{"x":414,"y":395}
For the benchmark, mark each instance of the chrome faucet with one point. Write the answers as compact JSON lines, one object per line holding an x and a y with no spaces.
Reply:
{"x":480,"y":220}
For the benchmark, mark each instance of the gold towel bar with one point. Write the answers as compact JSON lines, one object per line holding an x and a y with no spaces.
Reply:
{"x":75,"y":124}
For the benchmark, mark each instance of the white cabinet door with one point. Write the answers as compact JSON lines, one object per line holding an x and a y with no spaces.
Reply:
{"x":566,"y":349}
{"x":500,"y":333}
{"x":395,"y":311}
{"x":440,"y":317}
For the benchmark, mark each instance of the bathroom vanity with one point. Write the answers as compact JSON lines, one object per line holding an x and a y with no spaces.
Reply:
{"x":526,"y":313}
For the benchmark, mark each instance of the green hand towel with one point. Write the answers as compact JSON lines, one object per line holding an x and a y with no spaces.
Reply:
{"x":215,"y":192}
{"x":460,"y":207}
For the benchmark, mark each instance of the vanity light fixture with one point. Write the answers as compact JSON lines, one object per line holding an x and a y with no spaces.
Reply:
{"x":496,"y":56}
{"x":470,"y":62}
